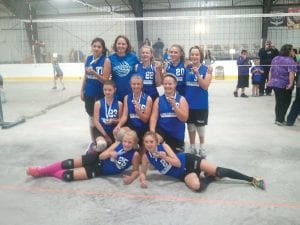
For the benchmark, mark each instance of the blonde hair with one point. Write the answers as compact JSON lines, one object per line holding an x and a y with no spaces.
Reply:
{"x":132,"y":133}
{"x":152,"y":134}
{"x":180,"y":48}
{"x":151,"y":50}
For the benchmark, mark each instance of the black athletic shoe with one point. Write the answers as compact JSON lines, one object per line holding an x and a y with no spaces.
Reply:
{"x":235,"y":94}
{"x":244,"y":96}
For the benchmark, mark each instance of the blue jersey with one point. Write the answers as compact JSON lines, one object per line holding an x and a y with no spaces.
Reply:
{"x":195,"y":95}
{"x":93,"y":87}
{"x":122,"y":69}
{"x":179,"y":72}
{"x":148,"y":74}
{"x":122,"y":162}
{"x":108,"y":112}
{"x":165,"y":167}
{"x":256,"y":76}
{"x":167,"y":119}
{"x":133,"y":118}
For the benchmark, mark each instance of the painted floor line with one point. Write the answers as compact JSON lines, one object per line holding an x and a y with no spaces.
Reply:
{"x":154,"y":197}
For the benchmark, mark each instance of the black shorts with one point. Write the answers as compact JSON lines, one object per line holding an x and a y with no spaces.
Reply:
{"x":243,"y":81}
{"x":192,"y":164}
{"x":255,"y":82}
{"x":199,"y":117}
{"x":89,"y":104}
{"x":92,"y":165}
{"x":175,"y":144}
{"x":59,"y":75}
{"x":99,"y":134}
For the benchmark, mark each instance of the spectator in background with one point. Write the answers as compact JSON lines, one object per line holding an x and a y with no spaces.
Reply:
{"x":166,"y":55}
{"x":257,"y":72}
{"x":295,"y":109}
{"x":2,"y":94}
{"x":208,"y":58}
{"x":281,"y":79}
{"x":244,"y":64}
{"x":76,"y":56}
{"x":266,"y":55}
{"x":147,"y":42}
{"x":158,"y":48}
{"x":37,"y":51}
{"x":43,"y":52}
{"x":57,"y":73}
{"x":72,"y":56}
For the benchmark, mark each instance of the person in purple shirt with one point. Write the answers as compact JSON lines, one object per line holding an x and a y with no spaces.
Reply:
{"x":244,"y":64}
{"x":281,"y":79}
{"x":295,"y":108}
{"x":266,"y":54}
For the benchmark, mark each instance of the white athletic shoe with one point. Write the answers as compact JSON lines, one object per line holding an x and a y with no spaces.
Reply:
{"x":193,"y":150}
{"x":202,"y":152}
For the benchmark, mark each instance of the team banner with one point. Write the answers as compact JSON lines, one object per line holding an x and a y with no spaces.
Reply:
{"x":277,"y":21}
{"x":293,"y":22}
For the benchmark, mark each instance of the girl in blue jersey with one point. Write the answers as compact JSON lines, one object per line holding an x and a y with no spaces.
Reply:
{"x":176,"y":66}
{"x":150,"y":72}
{"x":107,"y":112}
{"x":169,"y":114}
{"x":137,"y":109}
{"x":92,"y":83}
{"x":198,"y":79}
{"x":116,"y":159}
{"x":186,"y":167}
{"x":257,"y":72}
{"x":121,"y":66}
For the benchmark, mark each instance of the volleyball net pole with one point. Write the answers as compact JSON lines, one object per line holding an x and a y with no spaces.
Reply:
{"x":6,"y":125}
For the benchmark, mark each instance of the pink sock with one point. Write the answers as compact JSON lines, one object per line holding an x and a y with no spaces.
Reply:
{"x":50,"y":169}
{"x":58,"y":174}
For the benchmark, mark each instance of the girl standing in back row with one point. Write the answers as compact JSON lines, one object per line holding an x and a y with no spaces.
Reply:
{"x":176,"y":67}
{"x":150,"y":72}
{"x":198,"y":79}
{"x":92,"y":83}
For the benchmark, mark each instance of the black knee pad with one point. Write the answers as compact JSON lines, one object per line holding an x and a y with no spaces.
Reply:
{"x":68,"y":175}
{"x":219,"y":172}
{"x":223,"y":172}
{"x":67,"y":164}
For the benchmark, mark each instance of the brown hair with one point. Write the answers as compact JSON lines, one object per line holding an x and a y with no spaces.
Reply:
{"x":129,"y":47}
{"x":200,"y":51}
{"x":152,"y":134}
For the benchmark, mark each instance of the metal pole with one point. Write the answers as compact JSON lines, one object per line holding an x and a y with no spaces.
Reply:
{"x":1,"y":112}
{"x":31,"y":29}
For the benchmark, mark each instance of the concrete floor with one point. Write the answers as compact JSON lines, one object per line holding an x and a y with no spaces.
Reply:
{"x":241,"y":135}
